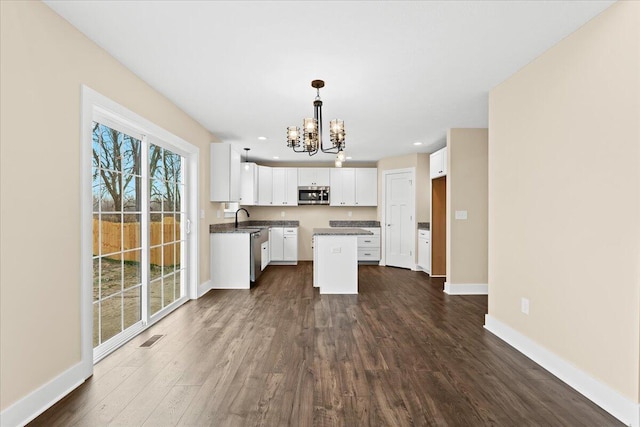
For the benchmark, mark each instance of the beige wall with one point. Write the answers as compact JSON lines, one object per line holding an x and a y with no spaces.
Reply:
{"x":467,"y":163}
{"x":44,"y":63}
{"x":564,"y":199}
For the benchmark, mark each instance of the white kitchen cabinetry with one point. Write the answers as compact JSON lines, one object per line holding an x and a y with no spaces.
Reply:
{"x":249,"y":184}
{"x":225,"y":173}
{"x":424,"y":250}
{"x":438,"y":163}
{"x":366,"y":187}
{"x":313,"y":177}
{"x":265,"y":186}
{"x":230,"y":260}
{"x":285,"y":186}
{"x":343,"y":187}
{"x":369,"y":246}
{"x":354,"y":187}
{"x":276,"y":244}
{"x":266,"y":255}
{"x":284,"y":245}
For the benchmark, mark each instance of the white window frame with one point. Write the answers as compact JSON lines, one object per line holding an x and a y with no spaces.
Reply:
{"x":93,"y":104}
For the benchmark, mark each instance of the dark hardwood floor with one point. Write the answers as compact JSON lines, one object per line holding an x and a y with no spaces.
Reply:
{"x":400,"y":353}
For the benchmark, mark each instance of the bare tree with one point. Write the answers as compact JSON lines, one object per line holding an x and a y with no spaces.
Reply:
{"x":118,"y":163}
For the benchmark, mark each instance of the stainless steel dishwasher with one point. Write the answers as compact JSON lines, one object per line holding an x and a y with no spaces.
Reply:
{"x":257,"y":239}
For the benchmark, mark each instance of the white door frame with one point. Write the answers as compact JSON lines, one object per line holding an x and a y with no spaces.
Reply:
{"x":383,"y":214}
{"x":91,"y":102}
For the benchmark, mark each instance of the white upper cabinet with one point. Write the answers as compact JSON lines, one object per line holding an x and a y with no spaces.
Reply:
{"x":265,"y":186}
{"x":354,"y":187}
{"x":285,"y":186}
{"x":438,"y":163}
{"x":225,"y":173}
{"x":366,"y":187}
{"x":343,"y":187}
{"x":313,"y":177}
{"x":248,"y":184}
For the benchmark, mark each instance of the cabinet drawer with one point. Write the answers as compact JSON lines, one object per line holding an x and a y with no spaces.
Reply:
{"x":424,"y":234}
{"x":374,"y":230}
{"x":368,"y":242}
{"x":290,"y":231}
{"x":368,"y":254}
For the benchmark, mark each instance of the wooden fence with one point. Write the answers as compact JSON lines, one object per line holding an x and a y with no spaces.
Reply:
{"x":111,"y":237}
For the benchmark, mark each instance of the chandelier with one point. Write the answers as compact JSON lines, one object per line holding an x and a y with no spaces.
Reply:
{"x":312,"y":132}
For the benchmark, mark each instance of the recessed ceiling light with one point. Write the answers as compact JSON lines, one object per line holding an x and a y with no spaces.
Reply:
{"x":417,"y":143}
{"x":276,"y":157}
{"x":262,"y":138}
{"x":349,"y":157}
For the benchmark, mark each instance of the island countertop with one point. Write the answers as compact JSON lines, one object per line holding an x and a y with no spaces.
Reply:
{"x":341,"y":231}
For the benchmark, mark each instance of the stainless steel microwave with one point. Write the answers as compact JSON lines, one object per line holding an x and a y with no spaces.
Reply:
{"x":313,"y":195}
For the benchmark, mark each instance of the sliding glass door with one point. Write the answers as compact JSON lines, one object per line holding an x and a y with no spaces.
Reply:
{"x":139,"y":233}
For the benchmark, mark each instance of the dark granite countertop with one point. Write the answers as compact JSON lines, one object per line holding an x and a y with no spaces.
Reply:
{"x":271,"y":223}
{"x":354,"y":223}
{"x":233,"y":230}
{"x":424,"y":226}
{"x":341,"y":231}
{"x":249,"y":226}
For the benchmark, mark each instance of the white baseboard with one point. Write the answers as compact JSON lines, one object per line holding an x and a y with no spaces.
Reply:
{"x":41,"y":399}
{"x":599,"y":393}
{"x":203,"y":288}
{"x":466,"y":288}
{"x":232,"y":286}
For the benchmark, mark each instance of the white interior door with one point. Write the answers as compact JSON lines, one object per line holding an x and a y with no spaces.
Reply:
{"x":399,"y":219}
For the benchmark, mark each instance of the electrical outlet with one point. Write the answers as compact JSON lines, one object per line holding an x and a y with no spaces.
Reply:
{"x":218,"y":213}
{"x":349,"y":214}
{"x":201,"y":213}
{"x":282,"y":214}
{"x":461,"y":214}
{"x":524,"y":305}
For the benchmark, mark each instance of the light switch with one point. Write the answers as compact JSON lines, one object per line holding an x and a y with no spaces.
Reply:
{"x":282,"y":214}
{"x":349,"y":214}
{"x":218,"y":213}
{"x":461,"y":214}
{"x":201,"y":213}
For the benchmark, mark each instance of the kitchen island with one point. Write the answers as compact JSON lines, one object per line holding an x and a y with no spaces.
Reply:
{"x":335,"y":259}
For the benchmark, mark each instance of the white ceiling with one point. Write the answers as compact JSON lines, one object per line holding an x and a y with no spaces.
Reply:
{"x":396,"y":72}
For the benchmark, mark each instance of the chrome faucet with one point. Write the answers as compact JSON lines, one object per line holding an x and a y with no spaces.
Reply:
{"x":241,"y":209}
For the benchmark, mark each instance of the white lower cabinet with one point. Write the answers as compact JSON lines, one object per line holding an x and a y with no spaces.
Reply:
{"x":230,"y":260}
{"x":424,"y":250}
{"x":369,"y":246}
{"x":266,"y":255}
{"x":283,"y":242}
